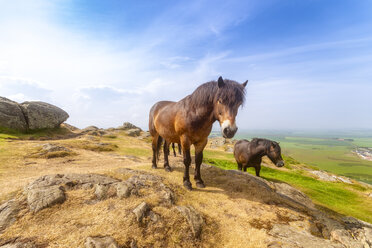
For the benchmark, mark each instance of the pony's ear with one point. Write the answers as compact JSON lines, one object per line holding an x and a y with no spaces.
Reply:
{"x":245,"y":83}
{"x":221,"y":83}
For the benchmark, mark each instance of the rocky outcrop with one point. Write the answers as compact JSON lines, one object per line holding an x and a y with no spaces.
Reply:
{"x":149,"y":205}
{"x":128,"y":125}
{"x":43,"y":115}
{"x":289,"y":236}
{"x":130,"y":129}
{"x":30,"y":115}
{"x":134,"y":132}
{"x":324,"y":176}
{"x":40,"y":198}
{"x":11,"y":115}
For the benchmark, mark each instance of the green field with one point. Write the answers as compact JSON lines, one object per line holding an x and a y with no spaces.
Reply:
{"x":325,"y":152}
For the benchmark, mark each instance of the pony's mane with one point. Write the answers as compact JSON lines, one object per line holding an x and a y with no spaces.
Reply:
{"x":264,"y":142}
{"x":207,"y":93}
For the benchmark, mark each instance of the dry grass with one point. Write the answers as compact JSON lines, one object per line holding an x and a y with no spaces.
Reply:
{"x":228,"y":208}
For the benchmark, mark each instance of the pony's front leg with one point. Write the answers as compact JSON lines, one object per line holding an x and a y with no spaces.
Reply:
{"x":198,"y":161}
{"x":187,"y":162}
{"x":166,"y":154}
{"x":154,"y":150}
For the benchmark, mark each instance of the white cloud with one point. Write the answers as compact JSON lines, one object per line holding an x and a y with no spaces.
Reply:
{"x":104,"y":81}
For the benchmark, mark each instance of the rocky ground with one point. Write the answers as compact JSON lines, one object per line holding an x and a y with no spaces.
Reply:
{"x":96,"y":188}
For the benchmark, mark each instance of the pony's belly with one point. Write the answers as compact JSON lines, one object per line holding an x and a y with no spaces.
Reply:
{"x":168,"y":134}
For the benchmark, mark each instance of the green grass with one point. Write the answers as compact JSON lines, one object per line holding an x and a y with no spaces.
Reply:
{"x":32,"y":134}
{"x":333,"y":196}
{"x":134,"y":151}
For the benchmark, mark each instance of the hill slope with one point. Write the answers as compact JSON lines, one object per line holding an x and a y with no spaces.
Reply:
{"x":101,"y":184}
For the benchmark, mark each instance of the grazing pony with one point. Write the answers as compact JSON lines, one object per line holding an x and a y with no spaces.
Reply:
{"x":189,"y":122}
{"x":249,"y":154}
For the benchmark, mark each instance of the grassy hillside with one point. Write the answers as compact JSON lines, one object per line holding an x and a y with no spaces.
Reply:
{"x":18,"y":165}
{"x":328,"y":195}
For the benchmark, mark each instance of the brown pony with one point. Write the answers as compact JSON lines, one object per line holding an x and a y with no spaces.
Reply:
{"x":249,"y":154}
{"x":189,"y":122}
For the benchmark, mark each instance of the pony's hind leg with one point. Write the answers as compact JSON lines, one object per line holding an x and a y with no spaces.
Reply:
{"x":240,"y":166}
{"x":179,"y":149}
{"x":174,"y":150}
{"x":166,"y":154}
{"x":198,"y":161}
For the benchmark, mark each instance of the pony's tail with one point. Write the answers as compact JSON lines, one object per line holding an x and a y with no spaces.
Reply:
{"x":158,"y":147}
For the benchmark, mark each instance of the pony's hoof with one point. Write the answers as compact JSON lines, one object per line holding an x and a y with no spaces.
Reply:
{"x":200,"y":185}
{"x":168,"y":169}
{"x":187,"y":185}
{"x":154,"y":167}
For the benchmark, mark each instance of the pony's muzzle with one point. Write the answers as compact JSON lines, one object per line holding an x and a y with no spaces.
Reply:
{"x":229,"y":132}
{"x":280,"y":163}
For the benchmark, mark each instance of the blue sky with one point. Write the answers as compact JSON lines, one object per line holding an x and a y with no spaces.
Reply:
{"x":105,"y":62}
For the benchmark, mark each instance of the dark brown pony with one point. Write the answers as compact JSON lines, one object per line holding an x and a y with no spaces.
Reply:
{"x":189,"y":122}
{"x":249,"y":154}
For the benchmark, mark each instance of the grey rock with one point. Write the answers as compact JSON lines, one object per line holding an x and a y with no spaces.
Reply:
{"x":134,"y":132}
{"x":40,"y":198}
{"x":54,"y":148}
{"x":154,"y":217}
{"x":141,"y":210}
{"x":11,"y":115}
{"x":43,"y":115}
{"x":104,"y":191}
{"x":69,"y":127}
{"x":324,"y":176}
{"x":290,"y":236}
{"x":128,"y":125}
{"x":193,"y":218}
{"x":101,"y":242}
{"x":70,"y":180}
{"x":167,"y":194}
{"x":9,"y":213}
{"x":123,"y":189}
{"x":101,"y":191}
{"x":90,"y":128}
{"x":139,"y":176}
{"x":286,"y":190}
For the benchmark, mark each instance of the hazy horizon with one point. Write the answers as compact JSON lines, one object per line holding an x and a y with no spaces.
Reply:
{"x":106,"y":62}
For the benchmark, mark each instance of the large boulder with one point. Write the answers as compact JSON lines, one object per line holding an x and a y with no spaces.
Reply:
{"x":11,"y":115}
{"x":43,"y":115}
